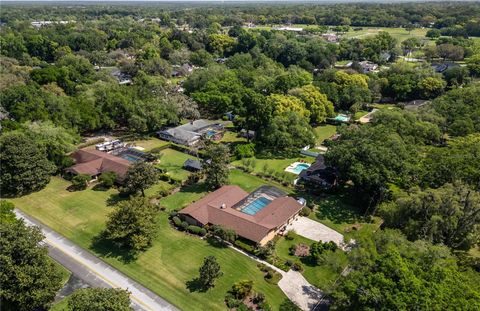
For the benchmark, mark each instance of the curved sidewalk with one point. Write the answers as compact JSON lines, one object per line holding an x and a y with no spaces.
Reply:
{"x":94,"y":271}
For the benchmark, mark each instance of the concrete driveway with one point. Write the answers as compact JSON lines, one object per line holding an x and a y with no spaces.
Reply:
{"x":316,"y":231}
{"x":297,"y":288}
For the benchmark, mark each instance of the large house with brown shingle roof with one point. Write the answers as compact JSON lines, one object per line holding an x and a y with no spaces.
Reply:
{"x":257,"y":216}
{"x":93,"y":162}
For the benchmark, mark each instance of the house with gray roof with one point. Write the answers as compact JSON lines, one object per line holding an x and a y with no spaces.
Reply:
{"x":189,"y":134}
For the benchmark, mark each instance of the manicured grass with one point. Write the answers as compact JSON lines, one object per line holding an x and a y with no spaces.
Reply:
{"x":184,"y":197}
{"x":250,"y":182}
{"x":172,"y":161}
{"x":232,"y":137}
{"x":400,"y":34}
{"x":165,"y":268}
{"x":359,"y":114}
{"x":155,"y":189}
{"x":324,"y":275}
{"x":323,"y":132}
{"x":149,"y":144}
{"x":277,"y":165}
{"x":338,"y":212}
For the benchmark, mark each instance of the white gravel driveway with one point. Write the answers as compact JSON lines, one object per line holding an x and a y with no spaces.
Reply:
{"x":316,"y":231}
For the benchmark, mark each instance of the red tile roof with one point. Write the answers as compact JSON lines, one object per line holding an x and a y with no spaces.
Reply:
{"x":208,"y":210}
{"x":94,"y":162}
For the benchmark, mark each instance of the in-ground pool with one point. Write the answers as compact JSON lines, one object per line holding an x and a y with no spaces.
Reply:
{"x":342,"y":118}
{"x":132,"y":155}
{"x":255,"y":206}
{"x":300,"y":167}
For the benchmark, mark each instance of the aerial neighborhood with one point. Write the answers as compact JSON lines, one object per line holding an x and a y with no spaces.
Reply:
{"x":244,"y":157}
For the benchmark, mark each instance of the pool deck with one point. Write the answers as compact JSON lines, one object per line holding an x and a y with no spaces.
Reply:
{"x":291,"y":168}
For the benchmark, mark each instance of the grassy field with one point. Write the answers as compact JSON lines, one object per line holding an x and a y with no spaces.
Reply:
{"x":165,"y":268}
{"x":250,"y":182}
{"x":149,"y":144}
{"x":359,"y":114}
{"x":172,"y":161}
{"x":323,"y":276}
{"x":400,"y":34}
{"x":277,"y":165}
{"x":232,"y":137}
{"x":323,"y":132}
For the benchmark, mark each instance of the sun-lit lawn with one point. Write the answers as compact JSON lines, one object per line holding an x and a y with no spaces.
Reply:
{"x":324,"y":131}
{"x":274,"y":165}
{"x":338,"y":212}
{"x":172,"y":162}
{"x":323,"y":276}
{"x":232,"y":137}
{"x":151,"y":143}
{"x":184,"y":197}
{"x":165,"y":268}
{"x":400,"y":34}
{"x":250,"y":182}
{"x":157,"y":188}
{"x":359,"y":114}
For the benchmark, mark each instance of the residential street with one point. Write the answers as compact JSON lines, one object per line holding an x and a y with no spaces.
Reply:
{"x":94,"y":271}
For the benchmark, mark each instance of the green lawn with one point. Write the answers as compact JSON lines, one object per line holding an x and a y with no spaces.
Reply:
{"x":323,"y":132}
{"x":172,"y":161}
{"x":149,"y":144}
{"x":323,"y":276}
{"x":165,"y":268}
{"x":184,"y":197}
{"x":400,"y":34}
{"x":250,"y":182}
{"x":359,"y":114}
{"x":232,"y":137}
{"x":277,"y":165}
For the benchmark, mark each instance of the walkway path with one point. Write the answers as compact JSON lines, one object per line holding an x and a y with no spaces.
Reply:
{"x":294,"y":285}
{"x":94,"y":271}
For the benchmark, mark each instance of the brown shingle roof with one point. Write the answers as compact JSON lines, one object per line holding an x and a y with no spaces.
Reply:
{"x":94,"y":162}
{"x":208,"y":210}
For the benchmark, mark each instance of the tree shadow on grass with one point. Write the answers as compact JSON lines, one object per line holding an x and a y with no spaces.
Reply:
{"x":115,"y":198}
{"x":194,"y":188}
{"x":106,"y":248}
{"x":196,"y":285}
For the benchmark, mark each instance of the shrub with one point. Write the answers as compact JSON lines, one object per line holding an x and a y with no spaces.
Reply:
{"x":231,"y":301}
{"x":290,"y":235}
{"x":297,"y":267}
{"x":173,"y":214}
{"x":177,"y":221}
{"x":273,"y":277}
{"x":244,"y":245}
{"x":242,"y":289}
{"x":244,"y":151}
{"x":202,"y":232}
{"x":107,"y":179}
{"x":80,"y":182}
{"x":292,"y":249}
{"x":305,"y":211}
{"x":194,"y":229}
{"x":184,"y":225}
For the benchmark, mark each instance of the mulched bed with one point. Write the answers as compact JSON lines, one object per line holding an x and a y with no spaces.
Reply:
{"x":302,"y":250}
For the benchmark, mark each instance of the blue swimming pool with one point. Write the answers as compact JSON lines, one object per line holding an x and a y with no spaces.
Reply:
{"x":256,"y":206}
{"x":300,"y":167}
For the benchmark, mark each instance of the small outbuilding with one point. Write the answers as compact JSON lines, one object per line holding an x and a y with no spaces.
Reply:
{"x":192,"y":165}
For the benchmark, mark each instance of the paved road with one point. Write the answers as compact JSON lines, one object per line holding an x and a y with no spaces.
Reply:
{"x":94,"y":271}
